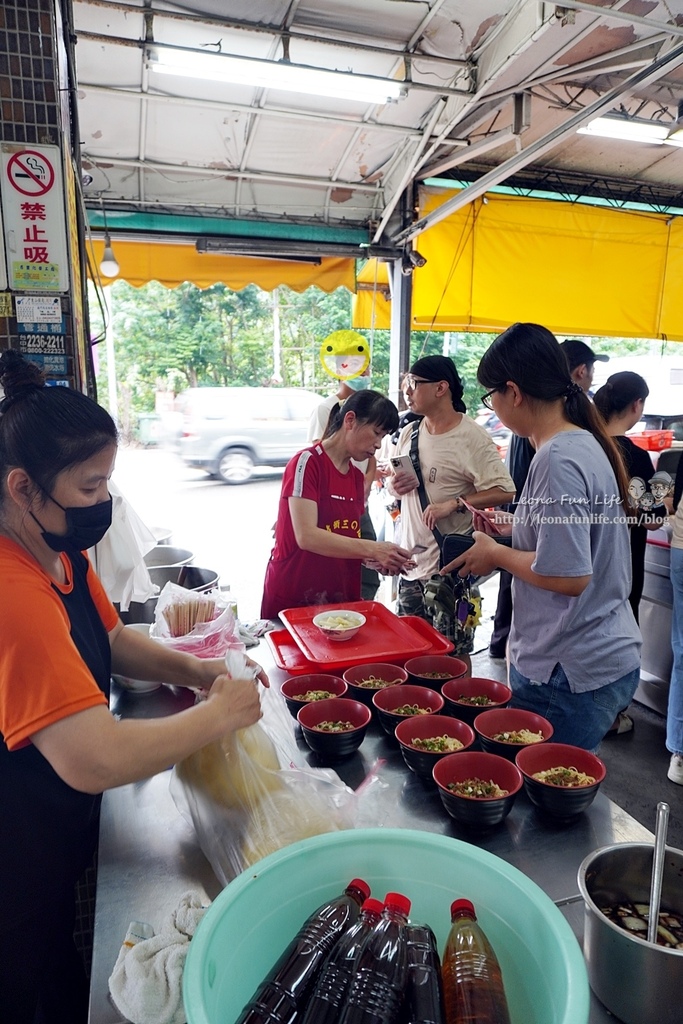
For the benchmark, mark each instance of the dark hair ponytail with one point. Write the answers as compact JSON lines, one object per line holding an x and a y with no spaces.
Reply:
{"x":369,"y":407}
{"x":45,"y":430}
{"x":531,"y":357}
{"x":618,"y":392}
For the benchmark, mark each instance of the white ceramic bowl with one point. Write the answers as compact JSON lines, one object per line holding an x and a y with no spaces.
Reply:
{"x":339,"y":623}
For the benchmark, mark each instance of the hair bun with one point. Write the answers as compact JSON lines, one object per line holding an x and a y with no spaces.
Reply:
{"x":18,"y":376}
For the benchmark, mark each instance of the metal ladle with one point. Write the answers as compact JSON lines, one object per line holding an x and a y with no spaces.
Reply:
{"x":657,"y":869}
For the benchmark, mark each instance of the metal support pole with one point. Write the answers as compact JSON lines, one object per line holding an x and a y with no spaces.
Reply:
{"x":401,"y":310}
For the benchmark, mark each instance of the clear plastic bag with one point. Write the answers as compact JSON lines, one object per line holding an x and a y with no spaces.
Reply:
{"x":247,"y":797}
{"x":212,"y":639}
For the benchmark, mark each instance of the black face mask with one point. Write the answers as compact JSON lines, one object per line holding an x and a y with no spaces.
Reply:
{"x":85,"y":526}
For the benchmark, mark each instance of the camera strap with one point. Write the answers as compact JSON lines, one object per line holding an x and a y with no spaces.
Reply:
{"x":421,"y":492}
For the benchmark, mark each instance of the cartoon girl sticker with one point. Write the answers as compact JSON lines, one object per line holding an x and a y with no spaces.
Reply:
{"x":636,"y":489}
{"x":345,"y":354}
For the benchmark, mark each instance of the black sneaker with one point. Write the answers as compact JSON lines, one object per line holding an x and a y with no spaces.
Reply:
{"x":497,"y":653}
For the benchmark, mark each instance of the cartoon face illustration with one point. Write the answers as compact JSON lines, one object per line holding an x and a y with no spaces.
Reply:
{"x":647,"y":501}
{"x":661,"y":484}
{"x":345,"y":354}
{"x":636,"y":488}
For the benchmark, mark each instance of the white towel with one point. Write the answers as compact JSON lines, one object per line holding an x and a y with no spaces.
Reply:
{"x":146,"y":983}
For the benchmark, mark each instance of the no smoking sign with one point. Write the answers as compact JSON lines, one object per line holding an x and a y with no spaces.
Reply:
{"x":32,"y":197}
{"x":30,"y":173}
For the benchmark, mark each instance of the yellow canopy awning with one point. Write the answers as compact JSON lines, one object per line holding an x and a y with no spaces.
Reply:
{"x":372,"y":301}
{"x":577,"y":269}
{"x":171,"y":264}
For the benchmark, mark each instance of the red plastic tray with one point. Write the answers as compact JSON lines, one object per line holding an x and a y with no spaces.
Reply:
{"x":384,"y":634}
{"x":288,"y":656}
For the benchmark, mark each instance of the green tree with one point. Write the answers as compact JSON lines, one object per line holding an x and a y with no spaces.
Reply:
{"x":166,"y":340}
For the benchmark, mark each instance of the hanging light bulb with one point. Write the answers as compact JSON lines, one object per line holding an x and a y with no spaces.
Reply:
{"x":109,"y":266}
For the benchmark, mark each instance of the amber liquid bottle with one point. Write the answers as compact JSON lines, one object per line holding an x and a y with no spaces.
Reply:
{"x":472,"y":979}
{"x":287,"y":987}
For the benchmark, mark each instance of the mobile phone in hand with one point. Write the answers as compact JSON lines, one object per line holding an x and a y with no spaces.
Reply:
{"x":403,"y":464}
{"x":491,"y":528}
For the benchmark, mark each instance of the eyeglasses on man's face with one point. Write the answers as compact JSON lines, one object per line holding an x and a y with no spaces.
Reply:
{"x":410,"y":383}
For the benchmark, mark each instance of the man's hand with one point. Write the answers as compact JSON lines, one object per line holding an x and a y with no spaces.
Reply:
{"x":402,"y":483}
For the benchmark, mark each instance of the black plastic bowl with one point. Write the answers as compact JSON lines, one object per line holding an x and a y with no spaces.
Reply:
{"x":482,"y":812}
{"x":334,"y":745}
{"x":386,"y":701}
{"x":421,"y":670}
{"x":392,"y":674}
{"x":425,"y":727}
{"x":473,"y":686}
{"x":488,"y":723}
{"x":296,"y":685}
{"x":559,"y":802}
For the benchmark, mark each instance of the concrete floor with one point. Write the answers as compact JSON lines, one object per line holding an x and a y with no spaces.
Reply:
{"x":636,"y":762}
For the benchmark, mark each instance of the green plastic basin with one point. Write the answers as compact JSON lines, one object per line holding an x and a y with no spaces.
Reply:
{"x":252,"y":920}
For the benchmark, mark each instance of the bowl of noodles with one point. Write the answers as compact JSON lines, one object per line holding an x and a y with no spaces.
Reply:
{"x":339,"y":624}
{"x":425,"y":739}
{"x":477,"y":789}
{"x":334,"y":728}
{"x":504,"y":731}
{"x":300,"y":690}
{"x":560,"y":780}
{"x":364,"y":681}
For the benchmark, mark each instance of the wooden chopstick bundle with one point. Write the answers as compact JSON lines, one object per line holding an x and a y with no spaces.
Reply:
{"x":183,"y":616}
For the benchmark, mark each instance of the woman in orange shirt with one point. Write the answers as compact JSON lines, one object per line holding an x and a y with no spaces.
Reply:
{"x":60,"y":639}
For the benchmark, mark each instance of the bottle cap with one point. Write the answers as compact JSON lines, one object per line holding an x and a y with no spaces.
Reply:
{"x":463,"y":905}
{"x":358,"y":883}
{"x":397,"y":901}
{"x":372,"y":906}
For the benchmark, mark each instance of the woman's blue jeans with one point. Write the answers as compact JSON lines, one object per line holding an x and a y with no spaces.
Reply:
{"x":581,"y":719}
{"x":674,"y":718}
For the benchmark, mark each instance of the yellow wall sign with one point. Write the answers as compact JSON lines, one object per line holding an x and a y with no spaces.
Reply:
{"x":345,"y":354}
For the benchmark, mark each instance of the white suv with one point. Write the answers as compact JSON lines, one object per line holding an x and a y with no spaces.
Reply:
{"x":230,"y":431}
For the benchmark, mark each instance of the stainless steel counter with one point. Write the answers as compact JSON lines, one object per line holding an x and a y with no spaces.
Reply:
{"x":149,"y":856}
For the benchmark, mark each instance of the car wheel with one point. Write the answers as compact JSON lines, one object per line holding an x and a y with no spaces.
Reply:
{"x":235,"y":466}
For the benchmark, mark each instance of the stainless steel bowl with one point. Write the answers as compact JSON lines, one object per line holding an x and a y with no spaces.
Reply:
{"x":639,"y":982}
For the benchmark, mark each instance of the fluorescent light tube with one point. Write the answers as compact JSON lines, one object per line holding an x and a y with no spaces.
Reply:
{"x":627,"y":130}
{"x":676,"y":138}
{"x":265,"y":74}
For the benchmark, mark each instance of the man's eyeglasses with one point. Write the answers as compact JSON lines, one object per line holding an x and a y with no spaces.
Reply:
{"x":486,"y":399}
{"x":410,"y":383}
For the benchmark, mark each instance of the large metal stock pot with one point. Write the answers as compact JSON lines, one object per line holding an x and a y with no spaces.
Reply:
{"x":638,"y":981}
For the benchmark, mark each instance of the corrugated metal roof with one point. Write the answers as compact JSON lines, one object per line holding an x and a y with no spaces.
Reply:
{"x":185,"y":146}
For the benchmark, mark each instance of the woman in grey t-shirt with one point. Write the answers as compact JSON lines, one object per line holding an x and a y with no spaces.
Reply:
{"x":574,"y":644}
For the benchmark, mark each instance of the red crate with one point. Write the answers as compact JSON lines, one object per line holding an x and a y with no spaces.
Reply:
{"x":653,"y":440}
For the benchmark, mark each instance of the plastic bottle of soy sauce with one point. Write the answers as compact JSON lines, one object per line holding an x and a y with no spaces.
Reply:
{"x":331,"y":988}
{"x":472,"y":979}
{"x":288,"y":985}
{"x":424,"y":994}
{"x":377,"y":987}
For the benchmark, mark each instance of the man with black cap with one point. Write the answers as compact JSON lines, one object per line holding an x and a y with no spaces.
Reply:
{"x":457,"y":460}
{"x":582,"y":360}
